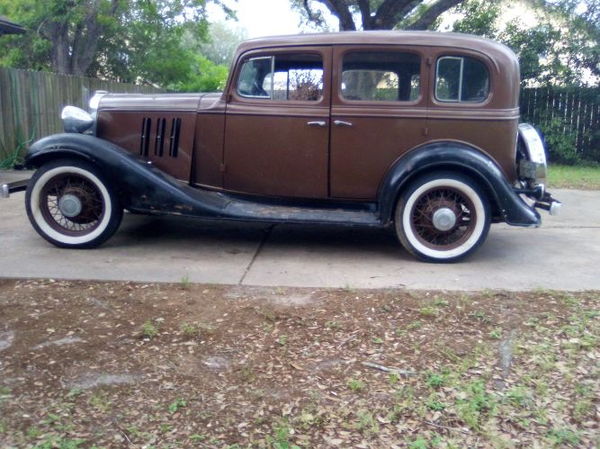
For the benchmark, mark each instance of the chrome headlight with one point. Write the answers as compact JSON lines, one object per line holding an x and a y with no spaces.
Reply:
{"x":534,"y":166}
{"x":76,"y":120}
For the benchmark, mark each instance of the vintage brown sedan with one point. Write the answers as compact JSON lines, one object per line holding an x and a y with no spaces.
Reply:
{"x":416,"y":131}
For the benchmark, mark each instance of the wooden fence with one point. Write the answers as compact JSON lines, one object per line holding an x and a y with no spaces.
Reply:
{"x":576,"y":110}
{"x":30,"y":104}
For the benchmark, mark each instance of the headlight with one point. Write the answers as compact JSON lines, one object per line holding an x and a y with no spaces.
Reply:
{"x":76,"y":120}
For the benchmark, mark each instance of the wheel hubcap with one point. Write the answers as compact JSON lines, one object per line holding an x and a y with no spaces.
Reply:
{"x":69,"y":205}
{"x":444,"y":219}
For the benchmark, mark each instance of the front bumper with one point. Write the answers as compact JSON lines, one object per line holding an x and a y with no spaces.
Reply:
{"x":12,"y":187}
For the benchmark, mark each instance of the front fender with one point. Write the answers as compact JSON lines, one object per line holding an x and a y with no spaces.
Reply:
{"x":141,"y":187}
{"x":465,"y":159}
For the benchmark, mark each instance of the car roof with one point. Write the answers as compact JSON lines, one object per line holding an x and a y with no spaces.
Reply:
{"x":421,"y":38}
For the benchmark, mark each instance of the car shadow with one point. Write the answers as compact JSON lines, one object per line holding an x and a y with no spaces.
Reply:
{"x":141,"y":230}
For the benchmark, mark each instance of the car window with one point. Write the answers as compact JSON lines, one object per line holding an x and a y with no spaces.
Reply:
{"x":381,"y":76}
{"x":461,"y":79}
{"x":293,"y":77}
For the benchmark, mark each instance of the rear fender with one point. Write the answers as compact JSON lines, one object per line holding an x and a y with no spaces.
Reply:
{"x":455,"y":156}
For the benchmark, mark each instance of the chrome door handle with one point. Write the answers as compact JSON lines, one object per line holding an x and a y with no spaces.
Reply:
{"x":320,"y":123}
{"x":341,"y":123}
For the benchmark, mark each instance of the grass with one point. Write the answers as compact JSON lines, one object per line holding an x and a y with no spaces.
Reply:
{"x":149,"y":330}
{"x":574,"y":177}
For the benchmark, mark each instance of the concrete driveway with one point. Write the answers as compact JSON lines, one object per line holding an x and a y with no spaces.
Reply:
{"x":563,"y":254}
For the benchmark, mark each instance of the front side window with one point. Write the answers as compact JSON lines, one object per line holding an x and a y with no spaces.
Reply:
{"x":294,"y":77}
{"x":381,"y":76}
{"x":461,"y":79}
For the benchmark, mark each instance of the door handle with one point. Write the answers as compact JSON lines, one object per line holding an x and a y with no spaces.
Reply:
{"x":320,"y":123}
{"x":341,"y":123}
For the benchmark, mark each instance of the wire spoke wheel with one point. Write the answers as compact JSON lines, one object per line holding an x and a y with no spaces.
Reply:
{"x":458,"y":206}
{"x":76,"y":188}
{"x":71,"y":205}
{"x":442,"y":217}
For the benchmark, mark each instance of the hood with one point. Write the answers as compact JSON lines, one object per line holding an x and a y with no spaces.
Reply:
{"x":158,"y":102}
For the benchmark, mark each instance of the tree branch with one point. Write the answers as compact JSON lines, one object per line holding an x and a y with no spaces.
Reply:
{"x":310,"y":14}
{"x":340,"y":9}
{"x":365,"y":13}
{"x":388,"y":14}
{"x":432,"y":13}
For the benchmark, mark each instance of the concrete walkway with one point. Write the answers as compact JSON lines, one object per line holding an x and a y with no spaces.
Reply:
{"x":563,"y":254}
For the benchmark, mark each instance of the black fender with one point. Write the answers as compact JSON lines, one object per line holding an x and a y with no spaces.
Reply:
{"x":141,"y":187}
{"x":456,"y":156}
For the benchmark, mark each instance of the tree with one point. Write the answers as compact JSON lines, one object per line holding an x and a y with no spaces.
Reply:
{"x":563,"y":47}
{"x":221,"y":42}
{"x":124,"y":40}
{"x":377,"y":14}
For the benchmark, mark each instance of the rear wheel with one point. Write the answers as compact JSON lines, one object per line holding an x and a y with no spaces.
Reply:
{"x":71,"y":205}
{"x":442,"y":217}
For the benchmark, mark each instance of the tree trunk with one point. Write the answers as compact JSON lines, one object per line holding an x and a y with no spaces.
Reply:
{"x":74,"y":45}
{"x":60,"y":48}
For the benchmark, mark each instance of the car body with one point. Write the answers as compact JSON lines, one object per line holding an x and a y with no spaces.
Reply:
{"x":415,"y":131}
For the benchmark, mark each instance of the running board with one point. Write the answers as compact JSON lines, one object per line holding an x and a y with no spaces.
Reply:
{"x":176,"y":198}
{"x":275,"y":213}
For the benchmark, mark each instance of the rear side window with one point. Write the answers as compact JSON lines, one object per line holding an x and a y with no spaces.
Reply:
{"x":381,"y":76}
{"x":461,"y":79}
{"x":293,"y":77}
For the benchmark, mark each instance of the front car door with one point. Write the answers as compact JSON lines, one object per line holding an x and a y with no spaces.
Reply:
{"x":379,"y":107}
{"x":277,"y":123}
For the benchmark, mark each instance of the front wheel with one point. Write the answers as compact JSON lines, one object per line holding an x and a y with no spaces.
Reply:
{"x":442,"y":217}
{"x":70,"y":204}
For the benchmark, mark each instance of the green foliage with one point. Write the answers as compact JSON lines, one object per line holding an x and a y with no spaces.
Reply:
{"x":129,"y":41}
{"x":220,"y":44}
{"x":560,"y":141}
{"x":565,"y":40}
{"x":149,"y":330}
{"x":477,"y":405}
{"x":59,"y":443}
{"x":177,"y":405}
{"x":435,"y":380}
{"x":356,"y":385}
{"x":562,"y":437}
{"x":419,"y":443}
{"x":204,"y":76}
{"x":478,"y":17}
{"x":281,"y":437}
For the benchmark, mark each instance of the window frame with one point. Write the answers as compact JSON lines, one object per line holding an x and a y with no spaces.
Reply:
{"x":323,"y":52}
{"x":380,"y":49}
{"x":460,"y":80}
{"x":259,"y":97}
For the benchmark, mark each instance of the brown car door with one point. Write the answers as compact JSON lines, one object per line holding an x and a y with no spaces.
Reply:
{"x":277,"y":123}
{"x":378,"y":113}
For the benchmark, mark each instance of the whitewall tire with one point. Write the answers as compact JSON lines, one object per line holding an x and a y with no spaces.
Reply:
{"x":70,"y":204}
{"x":442,"y":217}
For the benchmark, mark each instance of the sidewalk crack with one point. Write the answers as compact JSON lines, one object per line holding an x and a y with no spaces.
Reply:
{"x":262,"y":242}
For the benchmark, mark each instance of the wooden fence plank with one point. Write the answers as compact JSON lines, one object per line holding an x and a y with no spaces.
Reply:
{"x":30,"y":103}
{"x":577,"y":108}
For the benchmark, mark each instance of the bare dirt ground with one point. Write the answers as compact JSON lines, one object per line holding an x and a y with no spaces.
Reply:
{"x":125,"y":365}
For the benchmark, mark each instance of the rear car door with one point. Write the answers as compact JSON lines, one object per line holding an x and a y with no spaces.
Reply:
{"x":378,"y":113}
